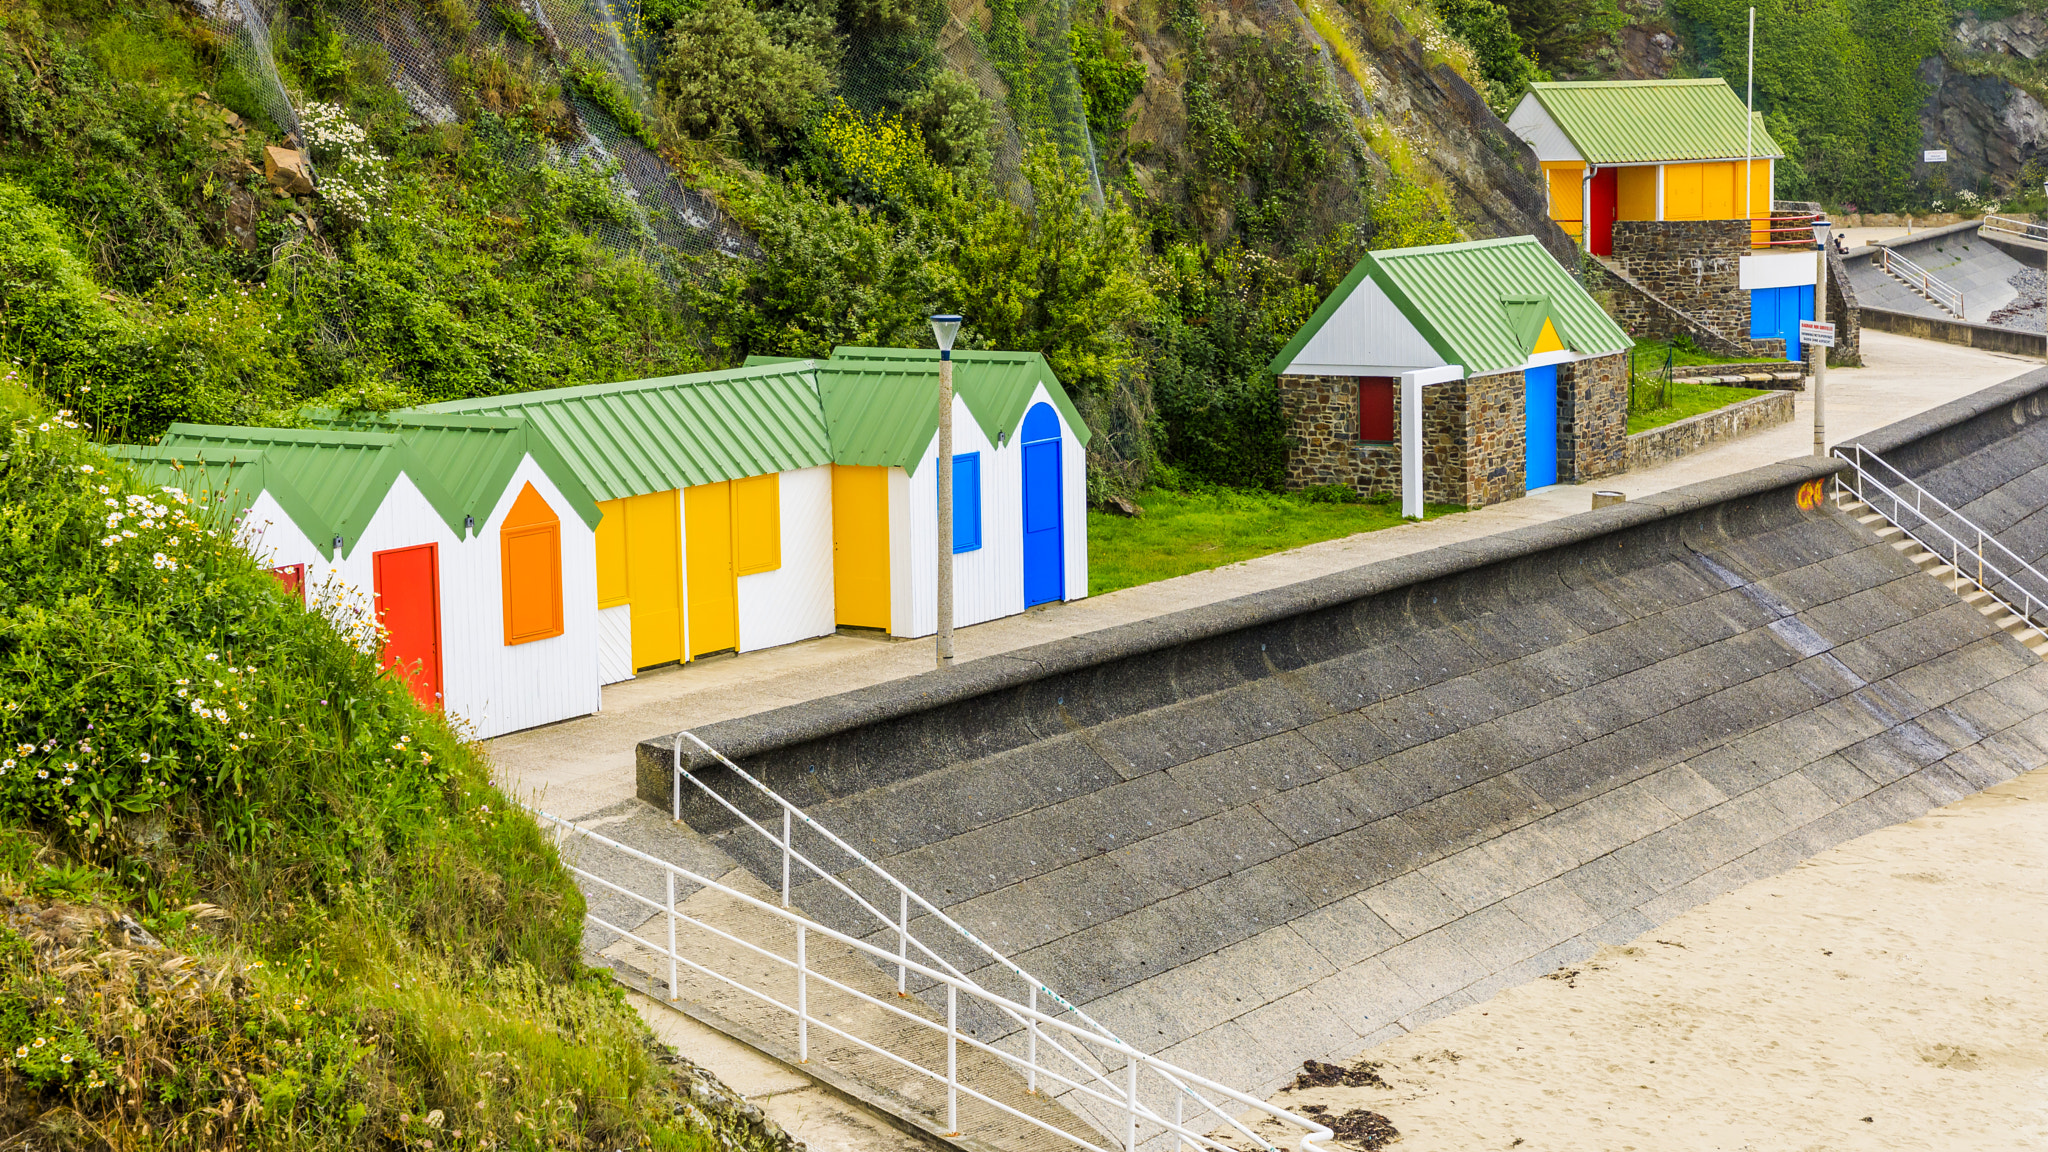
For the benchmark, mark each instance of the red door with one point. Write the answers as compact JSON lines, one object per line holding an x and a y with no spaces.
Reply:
{"x":409,"y":608}
{"x":1603,"y":212}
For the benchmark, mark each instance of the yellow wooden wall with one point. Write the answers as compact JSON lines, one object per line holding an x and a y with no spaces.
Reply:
{"x":1635,"y":193}
{"x":713,"y":596}
{"x":1566,"y":202}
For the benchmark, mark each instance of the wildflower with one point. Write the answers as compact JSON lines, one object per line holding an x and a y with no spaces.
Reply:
{"x":42,"y":774}
{"x":182,"y":691}
{"x":241,"y":736}
{"x":7,"y":763}
{"x":56,"y":999}
{"x":71,"y":765}
{"x":66,"y":1058}
{"x":103,"y":489}
{"x":40,"y":1041}
{"x":128,"y":533}
{"x":145,"y":757}
{"x":66,"y":781}
{"x":21,"y":1051}
{"x":23,"y":749}
{"x":86,"y":468}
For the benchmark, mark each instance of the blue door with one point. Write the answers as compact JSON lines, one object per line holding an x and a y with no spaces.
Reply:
{"x":1775,"y":313}
{"x":1540,"y":406}
{"x":1044,"y":552}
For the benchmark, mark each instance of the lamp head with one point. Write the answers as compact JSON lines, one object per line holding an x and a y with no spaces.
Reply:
{"x":1821,"y":229}
{"x":944,"y":329}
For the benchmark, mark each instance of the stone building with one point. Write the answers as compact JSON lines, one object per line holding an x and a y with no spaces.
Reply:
{"x":1487,"y":358}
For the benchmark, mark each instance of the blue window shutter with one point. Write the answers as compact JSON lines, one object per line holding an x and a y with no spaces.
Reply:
{"x":966,"y":502}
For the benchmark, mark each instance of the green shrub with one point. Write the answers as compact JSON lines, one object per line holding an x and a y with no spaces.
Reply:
{"x":366,"y":944}
{"x":597,"y":84}
{"x":723,"y":77}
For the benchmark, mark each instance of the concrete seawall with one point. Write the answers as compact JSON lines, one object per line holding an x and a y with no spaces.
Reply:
{"x":1986,"y":336}
{"x":1290,"y":825}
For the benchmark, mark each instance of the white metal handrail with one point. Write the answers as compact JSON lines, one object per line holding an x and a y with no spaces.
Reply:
{"x":1141,"y":1121}
{"x":2026,"y":229}
{"x":1932,"y":286}
{"x":905,"y":898}
{"x":2032,"y":607}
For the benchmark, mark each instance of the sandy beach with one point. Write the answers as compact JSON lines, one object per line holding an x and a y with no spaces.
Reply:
{"x":1891,"y":993}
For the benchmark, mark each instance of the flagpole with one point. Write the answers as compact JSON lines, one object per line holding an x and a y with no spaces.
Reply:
{"x":1749,"y":132}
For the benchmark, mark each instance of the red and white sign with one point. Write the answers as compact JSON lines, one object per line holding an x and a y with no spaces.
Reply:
{"x":1817,"y":332}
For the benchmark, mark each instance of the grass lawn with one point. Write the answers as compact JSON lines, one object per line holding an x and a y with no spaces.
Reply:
{"x":1689,"y":399}
{"x":1183,"y":532}
{"x":1649,"y":355}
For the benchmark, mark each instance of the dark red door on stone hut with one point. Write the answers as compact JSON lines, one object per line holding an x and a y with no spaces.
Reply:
{"x":1603,"y":212}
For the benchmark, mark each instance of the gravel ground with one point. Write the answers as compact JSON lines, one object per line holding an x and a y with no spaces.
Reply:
{"x":2028,"y":312}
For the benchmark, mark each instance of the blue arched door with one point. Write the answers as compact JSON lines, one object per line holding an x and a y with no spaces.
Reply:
{"x":1044,"y":549}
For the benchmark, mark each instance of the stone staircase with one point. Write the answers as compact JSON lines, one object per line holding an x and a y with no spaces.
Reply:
{"x":1960,"y":582}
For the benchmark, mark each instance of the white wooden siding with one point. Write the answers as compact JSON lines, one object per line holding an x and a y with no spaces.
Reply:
{"x":1534,"y":125}
{"x":794,"y":602}
{"x":1366,"y":336}
{"x":988,"y":583}
{"x":490,"y":688}
{"x":615,"y":644}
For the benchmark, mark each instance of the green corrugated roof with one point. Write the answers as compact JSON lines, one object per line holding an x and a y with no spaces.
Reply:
{"x":1648,"y":121}
{"x":1472,"y":303}
{"x":645,"y":436}
{"x":229,"y":482}
{"x":342,"y":476}
{"x":474,"y":456}
{"x":996,"y":387}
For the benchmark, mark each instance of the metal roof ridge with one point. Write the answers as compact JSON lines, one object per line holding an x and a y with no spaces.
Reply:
{"x":1667,"y":82}
{"x":616,"y":387}
{"x":294,"y":436}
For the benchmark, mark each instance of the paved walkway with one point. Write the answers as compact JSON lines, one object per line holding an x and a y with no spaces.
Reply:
{"x":585,"y":765}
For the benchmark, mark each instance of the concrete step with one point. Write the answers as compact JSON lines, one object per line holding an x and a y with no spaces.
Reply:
{"x":1890,"y":533}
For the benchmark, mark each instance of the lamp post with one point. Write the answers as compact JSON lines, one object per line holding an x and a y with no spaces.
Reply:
{"x":1821,"y":229}
{"x":944,"y":329}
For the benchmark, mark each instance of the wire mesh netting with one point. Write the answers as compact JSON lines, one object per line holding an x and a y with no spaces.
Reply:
{"x":1015,"y":52}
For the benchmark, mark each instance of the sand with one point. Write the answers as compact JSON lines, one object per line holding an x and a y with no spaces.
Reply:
{"x":1889,"y":993}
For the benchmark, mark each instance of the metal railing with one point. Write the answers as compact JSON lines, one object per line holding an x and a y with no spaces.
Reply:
{"x":1929,"y":285}
{"x":2013,"y":226}
{"x":1782,"y":231}
{"x":1974,"y":554}
{"x":1065,"y":1051}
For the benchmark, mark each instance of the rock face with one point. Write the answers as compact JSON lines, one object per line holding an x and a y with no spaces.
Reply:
{"x":1989,"y":127}
{"x":287,"y":170}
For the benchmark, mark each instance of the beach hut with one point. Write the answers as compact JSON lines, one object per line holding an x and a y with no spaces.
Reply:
{"x":1020,"y":530}
{"x":1460,"y":373}
{"x":1673,"y":180}
{"x":715,"y":490}
{"x":470,"y":540}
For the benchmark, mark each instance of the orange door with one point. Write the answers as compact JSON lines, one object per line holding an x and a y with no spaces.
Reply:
{"x":409,"y":609}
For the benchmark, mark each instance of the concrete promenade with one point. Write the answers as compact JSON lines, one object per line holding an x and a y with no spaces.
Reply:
{"x":582,"y":766}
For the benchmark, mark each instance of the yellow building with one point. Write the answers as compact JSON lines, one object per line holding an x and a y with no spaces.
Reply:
{"x":1647,"y":150}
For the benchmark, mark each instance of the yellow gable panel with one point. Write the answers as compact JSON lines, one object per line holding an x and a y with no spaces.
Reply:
{"x":1547,"y":340}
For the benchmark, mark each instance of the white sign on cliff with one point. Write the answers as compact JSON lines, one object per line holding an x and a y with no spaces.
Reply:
{"x":1935,"y":156}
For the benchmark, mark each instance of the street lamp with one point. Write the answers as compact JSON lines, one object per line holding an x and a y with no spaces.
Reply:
{"x":944,"y":329}
{"x":1821,"y":230}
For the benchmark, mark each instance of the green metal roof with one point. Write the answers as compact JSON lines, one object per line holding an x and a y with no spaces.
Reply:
{"x":1476,"y":303}
{"x":228,"y":482}
{"x":1648,"y":121}
{"x":996,"y":386}
{"x":341,"y":476}
{"x":643,"y":436}
{"x":475,"y":457}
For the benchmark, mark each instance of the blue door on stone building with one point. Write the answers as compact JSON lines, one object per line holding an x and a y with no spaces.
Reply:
{"x":1540,"y":406}
{"x":1775,"y":313}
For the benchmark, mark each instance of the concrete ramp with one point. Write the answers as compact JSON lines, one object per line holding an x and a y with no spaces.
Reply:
{"x":1988,"y":277}
{"x":1291,"y":825}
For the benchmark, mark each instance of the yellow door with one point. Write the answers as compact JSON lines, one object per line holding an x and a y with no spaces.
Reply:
{"x":653,"y":567}
{"x":1635,"y":192}
{"x":860,"y":546}
{"x":1682,"y":194}
{"x":1566,"y":198}
{"x":1721,"y":191}
{"x":714,"y":598}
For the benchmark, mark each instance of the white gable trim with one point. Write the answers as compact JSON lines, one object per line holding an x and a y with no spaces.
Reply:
{"x":1366,"y":336}
{"x":1533,"y":123}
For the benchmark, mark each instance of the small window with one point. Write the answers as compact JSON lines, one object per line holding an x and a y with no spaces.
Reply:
{"x":966,"y":502}
{"x":530,"y":562}
{"x":1376,"y":409}
{"x":293,"y":577}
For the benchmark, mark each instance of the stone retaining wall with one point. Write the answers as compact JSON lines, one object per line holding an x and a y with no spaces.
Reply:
{"x":1986,"y":336}
{"x":1673,"y":441}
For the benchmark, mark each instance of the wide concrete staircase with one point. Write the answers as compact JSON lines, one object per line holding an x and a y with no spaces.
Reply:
{"x":1963,"y":582}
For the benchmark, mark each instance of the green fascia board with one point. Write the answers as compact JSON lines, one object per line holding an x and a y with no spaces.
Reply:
{"x":476,"y":456}
{"x":641,"y":436}
{"x":1455,"y":296}
{"x":343,"y":475}
{"x":996,"y":386}
{"x":229,"y":482}
{"x":1525,"y":317}
{"x":759,"y":361}
{"x":1654,"y":121}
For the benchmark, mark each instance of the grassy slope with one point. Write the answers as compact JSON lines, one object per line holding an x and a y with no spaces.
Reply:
{"x":363,"y":944}
{"x":1184,"y":532}
{"x":1689,"y":399}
